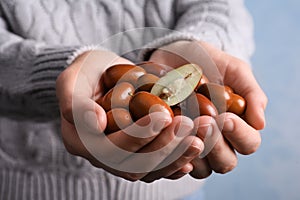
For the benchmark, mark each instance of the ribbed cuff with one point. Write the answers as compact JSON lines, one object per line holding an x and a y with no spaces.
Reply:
{"x":81,"y":51}
{"x":40,"y":86}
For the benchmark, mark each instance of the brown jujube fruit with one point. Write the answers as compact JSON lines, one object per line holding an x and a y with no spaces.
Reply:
{"x":144,"y":103}
{"x":228,"y":89}
{"x":121,"y":73}
{"x":238,"y":105}
{"x":117,"y":119}
{"x":117,"y":97}
{"x":146,"y":82}
{"x":217,"y":94}
{"x":176,"y":110}
{"x":202,"y":81}
{"x":155,"y":68}
{"x":198,"y":105}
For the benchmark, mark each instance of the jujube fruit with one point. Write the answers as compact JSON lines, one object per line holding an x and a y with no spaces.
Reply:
{"x":117,"y":119}
{"x":117,"y":97}
{"x":224,"y":98}
{"x":144,"y":103}
{"x":202,"y":81}
{"x":198,"y":105}
{"x":155,"y":68}
{"x":177,"y":84}
{"x":146,"y":82}
{"x":217,"y":94}
{"x":238,"y":105}
{"x":176,"y":110}
{"x":121,"y":73}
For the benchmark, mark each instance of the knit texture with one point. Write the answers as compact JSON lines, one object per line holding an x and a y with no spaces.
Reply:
{"x":37,"y":37}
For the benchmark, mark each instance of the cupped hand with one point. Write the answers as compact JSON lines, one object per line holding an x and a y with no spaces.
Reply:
{"x":165,"y":150}
{"x":227,"y":133}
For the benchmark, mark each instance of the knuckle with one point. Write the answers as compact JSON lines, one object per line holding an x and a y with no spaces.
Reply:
{"x":227,"y":168}
{"x":192,"y":152}
{"x":265,"y":99}
{"x":240,"y":62}
{"x":66,"y":111}
{"x":95,"y":164}
{"x":217,"y":148}
{"x":236,"y":62}
{"x":206,"y":173}
{"x":252,"y":149}
{"x":177,"y":164}
{"x":59,"y":79}
{"x":132,"y":177}
{"x":70,"y":149}
{"x":147,"y":180}
{"x":140,"y":142}
{"x":201,"y":173}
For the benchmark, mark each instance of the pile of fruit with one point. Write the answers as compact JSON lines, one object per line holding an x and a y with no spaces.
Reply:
{"x":134,"y":91}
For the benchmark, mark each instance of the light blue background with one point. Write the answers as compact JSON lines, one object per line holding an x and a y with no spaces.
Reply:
{"x":273,"y":173}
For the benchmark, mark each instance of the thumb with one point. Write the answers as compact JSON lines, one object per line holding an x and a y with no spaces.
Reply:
{"x":88,"y":115}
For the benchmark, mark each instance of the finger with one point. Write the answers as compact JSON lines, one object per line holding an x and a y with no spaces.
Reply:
{"x":180,"y":127}
{"x":155,"y":153}
{"x":80,"y":141}
{"x":82,"y":78}
{"x":247,"y":86}
{"x":88,"y":116}
{"x":221,"y":157}
{"x":201,"y":168}
{"x":123,"y":174}
{"x":244,"y":138}
{"x":238,"y":75}
{"x":118,"y":146}
{"x":64,"y":91}
{"x":140,"y":133}
{"x":70,"y":138}
{"x":182,"y":172}
{"x":255,"y":111}
{"x":182,"y":164}
{"x":72,"y":141}
{"x":74,"y":145}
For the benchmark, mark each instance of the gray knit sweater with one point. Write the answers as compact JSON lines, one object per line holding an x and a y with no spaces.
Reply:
{"x":36,"y":39}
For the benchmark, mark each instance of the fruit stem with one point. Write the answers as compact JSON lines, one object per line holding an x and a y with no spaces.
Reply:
{"x":166,"y":93}
{"x":187,"y":76}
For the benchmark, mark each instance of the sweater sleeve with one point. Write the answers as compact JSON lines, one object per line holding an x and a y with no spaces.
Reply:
{"x":224,"y":23}
{"x":28,"y":72}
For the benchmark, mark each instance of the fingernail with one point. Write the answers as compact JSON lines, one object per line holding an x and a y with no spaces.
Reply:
{"x":90,"y":119}
{"x":159,"y":126}
{"x":193,"y":149}
{"x":262,"y":114}
{"x":228,"y":125}
{"x":183,"y":129}
{"x":198,"y":144}
{"x":187,"y":168}
{"x":205,"y":130}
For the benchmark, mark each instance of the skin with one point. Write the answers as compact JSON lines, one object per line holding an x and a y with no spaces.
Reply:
{"x":242,"y":137}
{"x":237,"y":134}
{"x":76,"y":99}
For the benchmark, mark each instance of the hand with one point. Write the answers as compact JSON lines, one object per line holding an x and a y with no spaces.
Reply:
{"x":157,"y":155}
{"x":228,"y":132}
